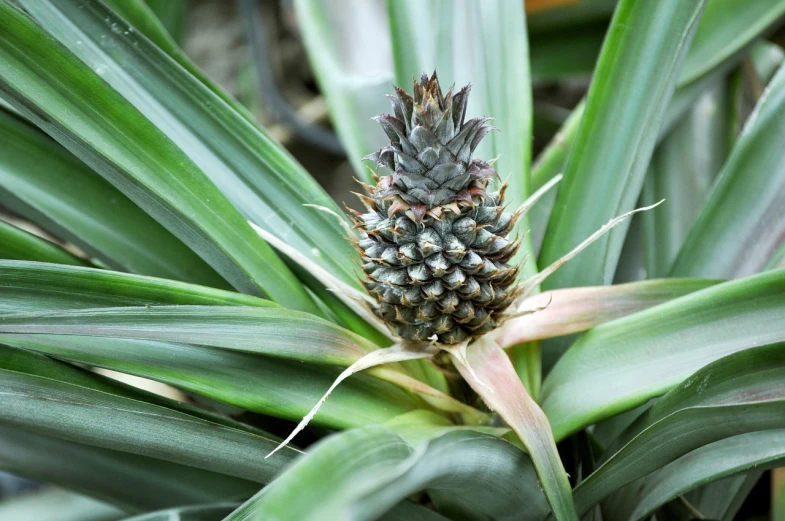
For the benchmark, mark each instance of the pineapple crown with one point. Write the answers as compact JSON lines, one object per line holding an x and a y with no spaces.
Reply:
{"x":431,"y":147}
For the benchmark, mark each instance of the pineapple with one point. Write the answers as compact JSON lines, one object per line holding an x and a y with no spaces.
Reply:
{"x":434,"y":240}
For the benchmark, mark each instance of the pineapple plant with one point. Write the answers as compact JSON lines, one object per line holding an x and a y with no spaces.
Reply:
{"x":489,"y":337}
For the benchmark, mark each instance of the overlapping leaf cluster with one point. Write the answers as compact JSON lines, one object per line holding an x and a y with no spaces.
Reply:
{"x":670,"y":402}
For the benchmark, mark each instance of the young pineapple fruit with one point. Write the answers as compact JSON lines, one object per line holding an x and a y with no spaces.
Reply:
{"x":434,"y":241}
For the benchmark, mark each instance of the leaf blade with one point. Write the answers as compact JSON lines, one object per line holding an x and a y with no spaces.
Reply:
{"x":745,"y":201}
{"x":120,"y":143}
{"x":47,"y":185}
{"x":491,"y":374}
{"x":16,"y":243}
{"x":756,"y":450}
{"x":616,"y":137}
{"x":573,"y":310}
{"x":652,"y":351}
{"x":384,"y":470}
{"x":742,"y":393}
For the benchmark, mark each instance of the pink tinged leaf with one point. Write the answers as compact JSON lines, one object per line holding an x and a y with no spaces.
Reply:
{"x":396,"y":353}
{"x":489,"y":371}
{"x":566,"y":311}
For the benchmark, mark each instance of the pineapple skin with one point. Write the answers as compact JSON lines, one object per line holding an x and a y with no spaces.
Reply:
{"x":434,"y":241}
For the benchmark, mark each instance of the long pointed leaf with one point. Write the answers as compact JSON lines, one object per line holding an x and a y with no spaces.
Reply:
{"x":250,"y":381}
{"x":681,"y":172}
{"x":725,"y":22}
{"x":253,"y":171}
{"x":634,"y":81}
{"x":622,"y":364}
{"x":741,"y":226}
{"x":36,"y":286}
{"x":491,"y":374}
{"x":46,"y":184}
{"x":466,"y":474}
{"x":270,"y":331}
{"x":277,"y":387}
{"x":16,"y":243}
{"x":129,"y":481}
{"x":727,"y":25}
{"x":40,"y":78}
{"x":756,"y":450}
{"x":744,"y":392}
{"x":57,"y":400}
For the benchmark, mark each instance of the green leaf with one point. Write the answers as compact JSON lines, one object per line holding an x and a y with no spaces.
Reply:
{"x":54,"y":399}
{"x":214,"y":512}
{"x":250,"y":381}
{"x":260,"y":178}
{"x":145,"y":16}
{"x":16,"y":243}
{"x":567,"y":311}
{"x":699,"y":146}
{"x":483,"y":43}
{"x":46,"y":184}
{"x":277,"y":387}
{"x":756,"y":450}
{"x":622,"y":364}
{"x":349,"y":51}
{"x":274,"y":332}
{"x":633,"y":83}
{"x":35,"y":286}
{"x":486,"y":367}
{"x":553,"y":158}
{"x":57,"y":505}
{"x":72,"y":304}
{"x":681,"y":172}
{"x":740,"y":227}
{"x":741,"y":393}
{"x":418,"y":427}
{"x":726,"y":27}
{"x":172,"y":15}
{"x":722,"y":499}
{"x":466,"y":474}
{"x":40,"y":78}
{"x":129,"y":481}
